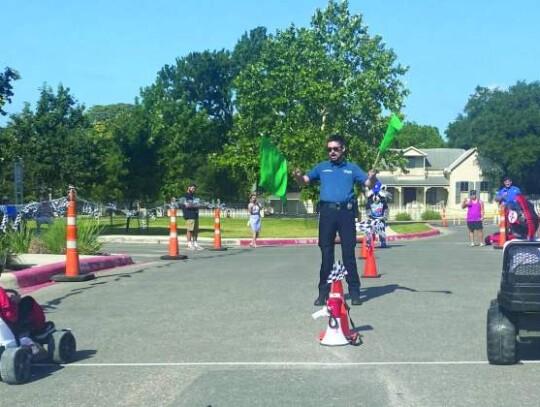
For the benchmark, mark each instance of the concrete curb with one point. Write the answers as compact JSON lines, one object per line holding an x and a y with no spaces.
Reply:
{"x":315,"y":241}
{"x":42,"y":274}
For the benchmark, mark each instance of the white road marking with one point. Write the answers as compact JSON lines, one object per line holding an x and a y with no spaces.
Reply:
{"x":284,"y":364}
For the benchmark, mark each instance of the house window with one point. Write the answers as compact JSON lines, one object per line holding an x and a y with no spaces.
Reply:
{"x":415,"y":162}
{"x":431,"y":196}
{"x":484,"y":186}
{"x":464,"y":186}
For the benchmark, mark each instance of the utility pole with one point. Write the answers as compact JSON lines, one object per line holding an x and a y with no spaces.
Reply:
{"x":18,"y":181}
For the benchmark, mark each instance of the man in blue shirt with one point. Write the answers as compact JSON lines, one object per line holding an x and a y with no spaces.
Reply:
{"x":507,"y":193}
{"x":338,"y":209}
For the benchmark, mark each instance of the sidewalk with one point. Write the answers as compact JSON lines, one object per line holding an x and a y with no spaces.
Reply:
{"x":41,"y":267}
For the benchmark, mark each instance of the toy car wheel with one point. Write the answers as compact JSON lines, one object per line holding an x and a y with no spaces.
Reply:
{"x":15,"y":365}
{"x":501,"y":337}
{"x":61,"y":347}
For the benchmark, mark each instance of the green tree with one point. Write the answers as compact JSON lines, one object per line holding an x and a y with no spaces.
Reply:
{"x":505,"y":126}
{"x":248,"y":49}
{"x":53,"y":143}
{"x":102,"y":113}
{"x":135,"y":156}
{"x":6,"y":87}
{"x":419,"y":136}
{"x":311,"y":82}
{"x":191,"y":115}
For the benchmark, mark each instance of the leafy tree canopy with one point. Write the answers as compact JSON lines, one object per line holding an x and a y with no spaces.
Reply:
{"x":6,"y":88}
{"x":311,"y":82}
{"x":419,"y":136}
{"x":505,"y":126}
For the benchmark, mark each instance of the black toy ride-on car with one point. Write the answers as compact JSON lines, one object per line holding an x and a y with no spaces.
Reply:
{"x":58,"y":346}
{"x":515,"y":314}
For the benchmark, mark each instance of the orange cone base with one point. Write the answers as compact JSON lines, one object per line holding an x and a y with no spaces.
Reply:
{"x":177,"y":257}
{"x":497,"y":247}
{"x":217,"y":249}
{"x":370,"y":275}
{"x":370,"y":269}
{"x":63,"y":278}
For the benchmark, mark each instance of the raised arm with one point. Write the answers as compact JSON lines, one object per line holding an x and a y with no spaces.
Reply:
{"x":371,"y":179}
{"x":301,"y":179}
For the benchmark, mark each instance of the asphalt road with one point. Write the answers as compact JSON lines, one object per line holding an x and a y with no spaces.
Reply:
{"x":234,"y":328}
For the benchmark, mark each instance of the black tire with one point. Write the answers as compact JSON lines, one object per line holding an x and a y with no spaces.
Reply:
{"x":15,"y":365}
{"x":501,"y":337}
{"x":61,"y":347}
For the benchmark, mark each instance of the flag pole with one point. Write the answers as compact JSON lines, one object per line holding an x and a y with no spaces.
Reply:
{"x":376,"y":160}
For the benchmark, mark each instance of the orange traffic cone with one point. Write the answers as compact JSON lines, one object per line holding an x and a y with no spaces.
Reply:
{"x":502,"y":227}
{"x":370,"y":265}
{"x":72,"y":253}
{"x":217,"y":231}
{"x":173,"y":238}
{"x":444,"y":222}
{"x":363,"y":248}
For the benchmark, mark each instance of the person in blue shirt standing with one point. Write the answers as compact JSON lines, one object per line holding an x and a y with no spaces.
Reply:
{"x":338,"y":209}
{"x":507,"y":193}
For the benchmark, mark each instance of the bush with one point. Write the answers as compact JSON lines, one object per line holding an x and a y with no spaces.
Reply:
{"x":20,"y":239}
{"x":403,"y":216}
{"x":54,"y":239}
{"x":431,"y":215}
{"x":13,"y":242}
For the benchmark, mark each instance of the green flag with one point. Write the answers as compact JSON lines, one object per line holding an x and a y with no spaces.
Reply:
{"x":394,"y":127}
{"x":273,"y":169}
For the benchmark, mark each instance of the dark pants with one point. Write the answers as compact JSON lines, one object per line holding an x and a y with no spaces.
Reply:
{"x":332,"y":220}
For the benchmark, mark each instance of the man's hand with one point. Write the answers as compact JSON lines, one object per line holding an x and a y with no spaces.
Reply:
{"x":299,"y":177}
{"x":371,"y":178}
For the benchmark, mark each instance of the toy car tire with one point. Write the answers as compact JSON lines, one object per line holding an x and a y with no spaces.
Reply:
{"x":61,"y":347}
{"x":15,"y":365}
{"x":501,"y":337}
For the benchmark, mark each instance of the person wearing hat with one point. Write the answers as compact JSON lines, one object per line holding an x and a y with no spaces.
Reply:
{"x":191,"y":215}
{"x":507,"y":193}
{"x":475,"y":217}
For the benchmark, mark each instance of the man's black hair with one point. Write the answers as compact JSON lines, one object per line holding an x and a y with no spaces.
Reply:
{"x":337,"y":138}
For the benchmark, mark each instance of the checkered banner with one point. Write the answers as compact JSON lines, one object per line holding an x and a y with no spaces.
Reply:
{"x":338,"y":273}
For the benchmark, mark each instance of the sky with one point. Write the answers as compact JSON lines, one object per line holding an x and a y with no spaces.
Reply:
{"x":105,"y":51}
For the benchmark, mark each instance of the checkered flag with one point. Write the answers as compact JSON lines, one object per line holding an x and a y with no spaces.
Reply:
{"x":338,"y":273}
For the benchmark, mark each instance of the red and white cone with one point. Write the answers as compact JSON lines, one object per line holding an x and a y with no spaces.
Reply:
{"x":334,"y":335}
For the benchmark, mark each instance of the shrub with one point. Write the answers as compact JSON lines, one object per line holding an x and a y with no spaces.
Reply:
{"x":431,"y":215}
{"x":20,"y":239}
{"x":11,"y":243}
{"x":88,"y":233}
{"x":403,"y":216}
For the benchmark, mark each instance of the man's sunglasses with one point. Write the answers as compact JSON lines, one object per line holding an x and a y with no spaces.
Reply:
{"x":330,"y":149}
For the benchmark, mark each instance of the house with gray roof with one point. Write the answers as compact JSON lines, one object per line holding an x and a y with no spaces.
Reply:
{"x":436,"y":178}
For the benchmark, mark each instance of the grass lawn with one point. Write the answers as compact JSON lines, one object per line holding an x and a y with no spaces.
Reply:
{"x":237,"y":228}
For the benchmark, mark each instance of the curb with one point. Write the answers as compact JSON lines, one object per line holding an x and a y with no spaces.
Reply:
{"x":315,"y":241}
{"x":42,"y":274}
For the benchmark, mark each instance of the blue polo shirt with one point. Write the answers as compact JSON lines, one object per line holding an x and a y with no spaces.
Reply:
{"x":337,"y":180}
{"x":511,"y":194}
